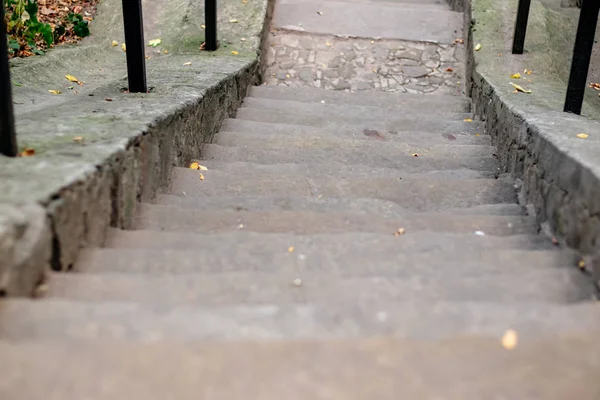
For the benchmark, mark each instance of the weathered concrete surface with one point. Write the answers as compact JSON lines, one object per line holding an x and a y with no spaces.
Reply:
{"x":127,"y":143}
{"x":537,"y":141}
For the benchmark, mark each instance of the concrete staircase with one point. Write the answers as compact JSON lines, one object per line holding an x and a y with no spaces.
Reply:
{"x":318,"y":257}
{"x":339,"y":246}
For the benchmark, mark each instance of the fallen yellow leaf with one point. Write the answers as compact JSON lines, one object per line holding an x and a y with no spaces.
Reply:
{"x":244,"y":1}
{"x":71,"y":78}
{"x":114,"y":43}
{"x":201,"y":177}
{"x":28,"y":152}
{"x":203,"y":26}
{"x":78,"y":139}
{"x":415,"y":154}
{"x":243,"y":39}
{"x":581,"y":264}
{"x":516,"y":76}
{"x":187,"y":63}
{"x":235,"y":53}
{"x":154,"y":42}
{"x":478,"y":47}
{"x":52,"y":91}
{"x":327,"y":44}
{"x":123,"y":47}
{"x":399,"y":232}
{"x":528,"y":72}
{"x":510,"y":339}
{"x":582,"y":135}
{"x":520,"y":89}
{"x":297,"y":282}
{"x":291,"y":249}
{"x":234,"y":21}
{"x":194,"y":165}
{"x":166,"y":51}
{"x":468,"y":119}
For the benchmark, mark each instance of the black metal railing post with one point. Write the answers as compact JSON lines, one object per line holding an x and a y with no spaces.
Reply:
{"x":521,"y":26}
{"x":210,"y":22}
{"x":582,"y":54}
{"x":8,"y":139}
{"x":134,"y":43}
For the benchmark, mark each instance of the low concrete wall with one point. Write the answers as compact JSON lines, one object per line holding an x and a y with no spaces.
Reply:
{"x":68,"y":195}
{"x":537,"y":142}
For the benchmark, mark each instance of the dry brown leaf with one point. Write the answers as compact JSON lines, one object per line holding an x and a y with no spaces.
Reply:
{"x":449,"y":69}
{"x":415,"y":154}
{"x":400,"y":232}
{"x":78,"y":139}
{"x":27,"y":152}
{"x":459,"y":41}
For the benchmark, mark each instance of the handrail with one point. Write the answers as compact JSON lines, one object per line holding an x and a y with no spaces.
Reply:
{"x":582,"y":52}
{"x":8,"y":140}
{"x":210,"y":23}
{"x":134,"y":45}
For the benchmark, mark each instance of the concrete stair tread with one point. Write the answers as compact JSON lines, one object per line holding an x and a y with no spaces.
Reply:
{"x":345,"y":110}
{"x":413,"y":194}
{"x":324,"y":143}
{"x":389,"y":21}
{"x":406,"y":163}
{"x":324,"y":255}
{"x":439,"y":5}
{"x":559,"y":285}
{"x":381,"y":100}
{"x":466,"y":245}
{"x":351,"y":121}
{"x":168,"y":218}
{"x":343,"y":170}
{"x":240,"y":126}
{"x":385,"y":208}
{"x":461,"y":368}
{"x":59,"y":319}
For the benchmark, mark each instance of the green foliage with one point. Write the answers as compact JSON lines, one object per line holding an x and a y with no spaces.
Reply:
{"x":26,"y":33}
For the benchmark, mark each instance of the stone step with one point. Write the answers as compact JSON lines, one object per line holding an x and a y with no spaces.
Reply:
{"x":412,"y":194}
{"x":380,"y":100}
{"x":352,"y":121}
{"x":60,"y":319}
{"x":347,"y":171}
{"x":294,"y":131}
{"x":276,"y":141}
{"x":467,"y":247}
{"x":559,"y":285}
{"x":474,"y":367}
{"x":406,"y":163}
{"x":415,"y":4}
{"x":385,"y":208}
{"x":389,"y":21}
{"x":168,"y":218}
{"x":349,"y":112}
{"x":323,"y":255}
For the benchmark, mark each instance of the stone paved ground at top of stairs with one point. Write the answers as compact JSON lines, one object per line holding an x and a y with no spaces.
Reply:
{"x":329,"y":62}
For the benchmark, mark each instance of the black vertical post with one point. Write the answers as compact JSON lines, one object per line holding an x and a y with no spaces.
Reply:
{"x":8,"y":140}
{"x":521,"y":26}
{"x":584,"y":43}
{"x":134,"y":42}
{"x":210,"y":17}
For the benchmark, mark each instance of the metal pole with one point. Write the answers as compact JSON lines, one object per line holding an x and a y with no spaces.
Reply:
{"x":584,"y":43}
{"x":210,"y":16}
{"x":8,"y":139}
{"x":134,"y":42}
{"x":521,"y":26}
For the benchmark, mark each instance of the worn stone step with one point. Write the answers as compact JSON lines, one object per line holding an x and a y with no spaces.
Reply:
{"x":287,"y":131}
{"x":414,"y":4}
{"x":385,"y":208}
{"x":406,"y":163}
{"x":342,"y":170}
{"x":353,"y":120}
{"x":391,"y":258}
{"x":559,"y":285}
{"x":60,"y":319}
{"x":349,"y":112}
{"x":389,"y":21}
{"x":467,"y":247}
{"x":331,"y":143}
{"x":474,"y":367}
{"x":168,"y":218}
{"x":412,"y":194}
{"x":382,"y":100}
